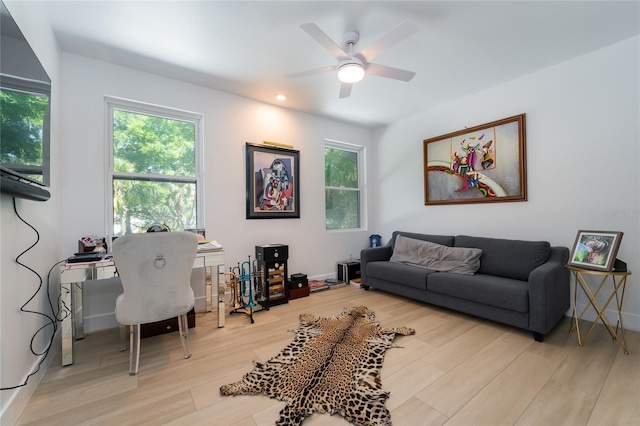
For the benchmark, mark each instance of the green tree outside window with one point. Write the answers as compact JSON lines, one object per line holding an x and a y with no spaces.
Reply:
{"x":342,"y":192}
{"x":154,"y":176}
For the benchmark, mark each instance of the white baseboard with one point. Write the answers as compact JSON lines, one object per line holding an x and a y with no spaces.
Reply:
{"x":323,"y":277}
{"x":18,"y":398}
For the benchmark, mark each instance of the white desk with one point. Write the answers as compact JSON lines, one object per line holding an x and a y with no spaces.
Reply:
{"x":73,"y":276}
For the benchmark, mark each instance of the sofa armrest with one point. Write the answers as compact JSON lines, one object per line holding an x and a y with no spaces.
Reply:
{"x":373,"y":254}
{"x":549,"y":291}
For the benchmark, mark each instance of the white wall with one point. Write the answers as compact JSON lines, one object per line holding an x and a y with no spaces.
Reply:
{"x":229,"y":122}
{"x":17,"y":284}
{"x":582,"y":137}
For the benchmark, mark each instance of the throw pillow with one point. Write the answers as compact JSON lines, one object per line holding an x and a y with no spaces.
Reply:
{"x":458,"y":260}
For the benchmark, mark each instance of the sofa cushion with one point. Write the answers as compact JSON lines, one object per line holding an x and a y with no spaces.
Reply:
{"x":505,"y":293}
{"x":445,"y":240}
{"x":458,"y":260}
{"x":407,"y":275}
{"x":507,"y":258}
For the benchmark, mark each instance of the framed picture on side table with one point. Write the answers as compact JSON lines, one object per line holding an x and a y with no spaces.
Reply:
{"x":595,"y":250}
{"x":273,"y":182}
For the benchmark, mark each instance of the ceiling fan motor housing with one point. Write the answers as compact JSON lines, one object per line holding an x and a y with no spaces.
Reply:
{"x":351,"y":38}
{"x":351,"y":69}
{"x":353,"y":60}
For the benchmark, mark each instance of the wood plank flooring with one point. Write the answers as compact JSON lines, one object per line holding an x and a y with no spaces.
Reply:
{"x":456,"y":370}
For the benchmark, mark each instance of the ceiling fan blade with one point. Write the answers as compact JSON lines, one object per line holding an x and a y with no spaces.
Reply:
{"x":345,"y":90}
{"x":312,"y":72}
{"x":325,"y":41}
{"x":389,"y":72}
{"x":390,"y":39}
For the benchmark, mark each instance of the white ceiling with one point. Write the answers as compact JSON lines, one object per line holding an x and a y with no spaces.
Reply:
{"x":245,"y":48}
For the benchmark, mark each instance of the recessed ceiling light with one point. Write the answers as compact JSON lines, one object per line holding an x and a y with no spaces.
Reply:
{"x":281,"y":97}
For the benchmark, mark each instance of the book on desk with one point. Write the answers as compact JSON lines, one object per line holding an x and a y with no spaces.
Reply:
{"x":89,"y":257}
{"x":209,"y":245}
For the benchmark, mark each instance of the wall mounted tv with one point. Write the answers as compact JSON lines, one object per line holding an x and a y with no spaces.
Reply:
{"x":25,"y":92}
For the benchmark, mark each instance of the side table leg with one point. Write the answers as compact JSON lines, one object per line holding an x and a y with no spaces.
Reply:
{"x":575,"y":321}
{"x":622,"y":342}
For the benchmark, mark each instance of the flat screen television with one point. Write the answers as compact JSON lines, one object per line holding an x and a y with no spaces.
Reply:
{"x":25,"y":92}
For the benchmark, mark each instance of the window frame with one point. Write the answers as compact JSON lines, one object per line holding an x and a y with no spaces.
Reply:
{"x":114,"y":103}
{"x":360,"y":152}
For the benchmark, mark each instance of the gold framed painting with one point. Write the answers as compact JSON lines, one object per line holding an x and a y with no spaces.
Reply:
{"x":482,"y":164}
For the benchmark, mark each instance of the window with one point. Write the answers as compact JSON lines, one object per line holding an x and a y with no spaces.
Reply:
{"x":155,"y":172}
{"x":343,"y":186}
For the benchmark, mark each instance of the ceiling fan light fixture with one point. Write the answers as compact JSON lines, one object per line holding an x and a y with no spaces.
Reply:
{"x":351,"y":72}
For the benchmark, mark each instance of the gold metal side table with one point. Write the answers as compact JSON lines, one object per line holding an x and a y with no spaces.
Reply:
{"x":619,"y":280}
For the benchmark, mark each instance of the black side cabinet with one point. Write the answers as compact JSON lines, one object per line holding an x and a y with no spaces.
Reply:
{"x":272,"y":268}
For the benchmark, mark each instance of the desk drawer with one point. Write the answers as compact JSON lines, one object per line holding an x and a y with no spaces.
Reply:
{"x":76,"y":273}
{"x":105,"y":272}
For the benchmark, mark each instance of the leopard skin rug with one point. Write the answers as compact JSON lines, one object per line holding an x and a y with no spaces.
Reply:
{"x":332,"y":366}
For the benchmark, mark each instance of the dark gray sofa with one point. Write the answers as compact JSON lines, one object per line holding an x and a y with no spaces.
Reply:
{"x":519,"y":283}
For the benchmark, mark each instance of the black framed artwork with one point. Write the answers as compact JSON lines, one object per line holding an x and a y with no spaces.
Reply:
{"x":273,"y":182}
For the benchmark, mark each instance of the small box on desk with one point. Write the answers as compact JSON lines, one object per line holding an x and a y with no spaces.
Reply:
{"x":298,"y":293}
{"x":348,"y":270}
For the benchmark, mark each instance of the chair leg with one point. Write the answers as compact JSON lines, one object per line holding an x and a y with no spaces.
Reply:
{"x":123,"y":337}
{"x":134,"y":349}
{"x":183,"y":327}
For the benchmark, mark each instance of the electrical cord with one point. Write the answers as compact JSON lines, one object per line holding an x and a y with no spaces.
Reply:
{"x":51,"y":321}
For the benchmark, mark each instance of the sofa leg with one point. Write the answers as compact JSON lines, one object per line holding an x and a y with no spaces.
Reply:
{"x":538,"y":337}
{"x":366,"y":287}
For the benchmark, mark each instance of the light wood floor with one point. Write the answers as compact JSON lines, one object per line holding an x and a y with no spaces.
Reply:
{"x":456,"y":370}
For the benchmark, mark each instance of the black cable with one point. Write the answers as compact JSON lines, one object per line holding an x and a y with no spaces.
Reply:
{"x":60,"y":301}
{"x":51,"y":321}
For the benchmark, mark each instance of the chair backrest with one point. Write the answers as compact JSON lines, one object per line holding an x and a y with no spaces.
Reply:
{"x":155,"y":270}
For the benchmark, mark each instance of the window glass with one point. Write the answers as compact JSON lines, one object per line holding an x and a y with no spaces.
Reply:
{"x":147,"y":144}
{"x":140,"y":204}
{"x":154,"y":173}
{"x":341,"y":168}
{"x":342,"y":187}
{"x":342,"y":209}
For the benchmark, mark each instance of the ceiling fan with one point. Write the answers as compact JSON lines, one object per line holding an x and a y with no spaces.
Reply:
{"x":353,"y":66}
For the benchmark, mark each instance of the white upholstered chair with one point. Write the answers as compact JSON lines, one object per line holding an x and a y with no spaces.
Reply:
{"x":155,"y":270}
